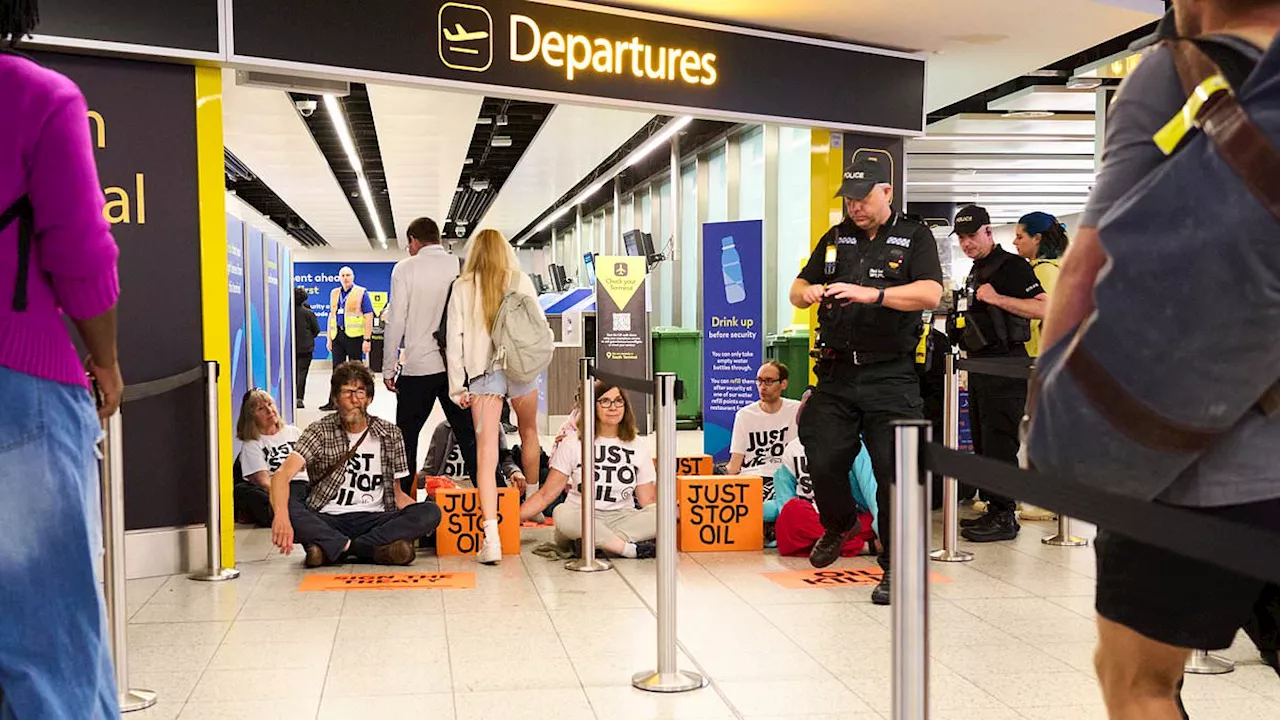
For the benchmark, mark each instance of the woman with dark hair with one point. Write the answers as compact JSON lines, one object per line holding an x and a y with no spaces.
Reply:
{"x":57,"y":260}
{"x":1042,"y":241}
{"x":626,"y":496}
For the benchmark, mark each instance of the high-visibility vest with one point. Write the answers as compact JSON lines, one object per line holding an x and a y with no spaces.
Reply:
{"x":354,"y":316}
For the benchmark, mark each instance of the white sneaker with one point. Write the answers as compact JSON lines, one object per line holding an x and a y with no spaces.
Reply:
{"x":490,"y":552}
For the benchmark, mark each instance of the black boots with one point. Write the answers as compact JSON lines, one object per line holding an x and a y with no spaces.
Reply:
{"x":827,"y":549}
{"x":992,"y":527}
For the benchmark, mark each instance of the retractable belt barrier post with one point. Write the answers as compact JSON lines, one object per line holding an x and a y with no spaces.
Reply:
{"x":668,"y":678}
{"x":113,"y":568}
{"x":1202,"y":662}
{"x":950,"y":486}
{"x":587,"y":433}
{"x":213,"y":535}
{"x":912,"y":520}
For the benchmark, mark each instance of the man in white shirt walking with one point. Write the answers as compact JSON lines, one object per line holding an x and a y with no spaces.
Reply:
{"x":419,"y":293}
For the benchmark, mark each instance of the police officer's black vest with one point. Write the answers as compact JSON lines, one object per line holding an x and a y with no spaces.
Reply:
{"x":881,"y":263}
{"x":988,"y":329}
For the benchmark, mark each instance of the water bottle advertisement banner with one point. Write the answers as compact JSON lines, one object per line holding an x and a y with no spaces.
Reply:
{"x":732,"y":321}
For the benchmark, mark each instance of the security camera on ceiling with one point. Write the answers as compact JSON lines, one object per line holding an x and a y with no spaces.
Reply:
{"x":460,"y":230}
{"x":306,"y":108}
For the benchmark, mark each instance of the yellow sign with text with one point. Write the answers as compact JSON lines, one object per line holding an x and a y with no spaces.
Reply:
{"x":621,"y":277}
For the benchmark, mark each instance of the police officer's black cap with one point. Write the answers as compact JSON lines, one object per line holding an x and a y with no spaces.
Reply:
{"x":970,"y":220}
{"x":862,"y":176}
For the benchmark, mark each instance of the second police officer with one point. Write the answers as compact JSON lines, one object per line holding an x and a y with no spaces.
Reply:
{"x":872,"y":276}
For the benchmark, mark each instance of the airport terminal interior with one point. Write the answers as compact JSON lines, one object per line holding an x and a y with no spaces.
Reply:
{"x":325,"y":161}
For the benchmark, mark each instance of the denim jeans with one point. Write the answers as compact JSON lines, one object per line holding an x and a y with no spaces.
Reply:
{"x":55,"y":662}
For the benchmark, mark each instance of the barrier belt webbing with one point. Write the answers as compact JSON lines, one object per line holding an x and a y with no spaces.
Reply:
{"x":1240,"y":548}
{"x":645,"y":386}
{"x":142,"y":391}
{"x":1016,"y":368}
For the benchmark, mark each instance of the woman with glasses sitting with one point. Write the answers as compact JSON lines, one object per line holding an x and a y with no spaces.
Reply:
{"x":626,"y":513}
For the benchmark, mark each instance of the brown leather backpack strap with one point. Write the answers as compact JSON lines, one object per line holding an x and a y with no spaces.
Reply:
{"x":1269,"y":404}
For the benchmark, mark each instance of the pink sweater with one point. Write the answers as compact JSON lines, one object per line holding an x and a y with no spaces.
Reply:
{"x":46,"y":154}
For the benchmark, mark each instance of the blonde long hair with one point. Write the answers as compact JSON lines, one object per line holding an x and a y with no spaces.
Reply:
{"x":490,"y":262}
{"x":247,"y":424}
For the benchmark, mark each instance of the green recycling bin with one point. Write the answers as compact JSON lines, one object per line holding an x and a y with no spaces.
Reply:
{"x":679,"y":350}
{"x":791,"y":348}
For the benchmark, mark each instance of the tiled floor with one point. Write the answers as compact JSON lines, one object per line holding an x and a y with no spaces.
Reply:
{"x":1012,"y":637}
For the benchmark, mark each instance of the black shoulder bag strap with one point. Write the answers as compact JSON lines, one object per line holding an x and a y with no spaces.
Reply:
{"x":22,"y":212}
{"x":346,"y":457}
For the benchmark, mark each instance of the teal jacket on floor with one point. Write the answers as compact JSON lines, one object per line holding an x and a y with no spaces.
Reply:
{"x":795,"y":472}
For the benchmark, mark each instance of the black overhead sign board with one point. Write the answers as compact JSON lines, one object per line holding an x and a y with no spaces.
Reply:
{"x":182,"y":25}
{"x":663,"y":64}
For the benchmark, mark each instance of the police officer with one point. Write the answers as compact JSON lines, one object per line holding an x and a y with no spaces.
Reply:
{"x":872,"y":275}
{"x":1000,"y":298}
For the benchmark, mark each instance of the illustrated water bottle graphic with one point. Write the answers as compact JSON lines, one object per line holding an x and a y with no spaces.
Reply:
{"x":735,"y":291}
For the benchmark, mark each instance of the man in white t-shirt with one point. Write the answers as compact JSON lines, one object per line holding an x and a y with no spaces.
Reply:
{"x":762,"y":429}
{"x":355,"y":506}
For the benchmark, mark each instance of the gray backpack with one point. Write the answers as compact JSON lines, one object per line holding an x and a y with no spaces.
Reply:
{"x":522,"y":341}
{"x":1182,"y":347}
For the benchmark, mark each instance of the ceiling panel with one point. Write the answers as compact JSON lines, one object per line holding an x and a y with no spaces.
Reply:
{"x":573,"y":141}
{"x":423,"y":135}
{"x":264,"y":130}
{"x":1046,"y":98}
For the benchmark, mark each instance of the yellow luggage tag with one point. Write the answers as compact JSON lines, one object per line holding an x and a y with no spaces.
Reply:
{"x":1168,"y":137}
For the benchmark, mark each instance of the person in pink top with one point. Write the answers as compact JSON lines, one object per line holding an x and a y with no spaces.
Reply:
{"x":57,"y":260}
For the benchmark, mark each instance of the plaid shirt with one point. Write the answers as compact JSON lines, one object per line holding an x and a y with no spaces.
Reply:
{"x":324,"y":443}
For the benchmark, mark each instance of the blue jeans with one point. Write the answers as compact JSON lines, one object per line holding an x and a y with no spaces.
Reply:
{"x":55,"y":662}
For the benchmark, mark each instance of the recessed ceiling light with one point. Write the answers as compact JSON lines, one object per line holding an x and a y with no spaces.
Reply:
{"x":1027,"y":114}
{"x":501,"y":141}
{"x":484,"y":121}
{"x":467,"y":161}
{"x":1084,"y":83}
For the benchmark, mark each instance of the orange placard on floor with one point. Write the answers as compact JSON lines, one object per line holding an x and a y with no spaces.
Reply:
{"x":720,"y":513}
{"x":836,"y":577}
{"x":461,"y":532}
{"x":390,"y":581}
{"x":694,"y":465}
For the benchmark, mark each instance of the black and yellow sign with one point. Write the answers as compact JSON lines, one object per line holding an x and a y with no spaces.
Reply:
{"x":622,"y":323}
{"x":597,"y":52}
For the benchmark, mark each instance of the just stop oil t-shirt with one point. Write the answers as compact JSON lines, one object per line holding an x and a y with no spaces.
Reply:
{"x":363,"y":486}
{"x":268,"y":452}
{"x":762,"y":439}
{"x":620,"y":467}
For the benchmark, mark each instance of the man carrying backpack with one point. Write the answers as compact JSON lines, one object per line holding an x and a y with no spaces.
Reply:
{"x":1154,"y":606}
{"x":419,"y":293}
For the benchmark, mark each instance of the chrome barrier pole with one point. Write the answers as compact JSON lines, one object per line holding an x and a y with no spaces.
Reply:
{"x":912,"y":521}
{"x":1064,"y":538}
{"x":213,"y":529}
{"x":1202,"y":662}
{"x":587,"y":433}
{"x":667,"y":678}
{"x":111,"y":469}
{"x":950,"y":486}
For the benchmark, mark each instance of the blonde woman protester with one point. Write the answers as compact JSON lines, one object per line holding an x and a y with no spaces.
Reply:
{"x":624,"y":475}
{"x":475,"y":379}
{"x":267,"y":441}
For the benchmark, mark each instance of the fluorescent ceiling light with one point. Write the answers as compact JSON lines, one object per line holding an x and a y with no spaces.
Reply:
{"x":658,"y":140}
{"x":367,"y":192}
{"x":340,"y":127}
{"x":500,"y":141}
{"x":484,"y":121}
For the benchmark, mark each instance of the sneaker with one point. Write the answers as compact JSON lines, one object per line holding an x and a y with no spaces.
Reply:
{"x":509,"y":429}
{"x":646,"y":549}
{"x":1033,"y":513}
{"x":400,"y":552}
{"x":328,"y":407}
{"x":996,"y":526}
{"x":301,"y":405}
{"x":490,"y":553}
{"x":315,"y":557}
{"x":972,"y":522}
{"x":827,"y":549}
{"x":883,"y":591}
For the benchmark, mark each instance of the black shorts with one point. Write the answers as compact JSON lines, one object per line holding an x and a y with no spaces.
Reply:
{"x":1176,"y":600}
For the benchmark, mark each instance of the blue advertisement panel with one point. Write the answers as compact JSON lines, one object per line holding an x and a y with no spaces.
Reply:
{"x":732,"y":320}
{"x":319,"y":280}
{"x":255,"y":291}
{"x":271,"y":250}
{"x":239,"y":371}
{"x":288,"y":356}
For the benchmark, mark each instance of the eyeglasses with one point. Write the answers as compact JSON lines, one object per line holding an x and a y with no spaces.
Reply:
{"x":767,"y":382}
{"x":355,"y":394}
{"x":608,"y":404}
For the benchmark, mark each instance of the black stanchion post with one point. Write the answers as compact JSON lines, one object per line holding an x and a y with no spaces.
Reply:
{"x":912,"y":521}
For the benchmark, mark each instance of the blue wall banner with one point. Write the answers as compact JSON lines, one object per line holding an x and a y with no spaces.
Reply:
{"x":255,"y":293}
{"x":319,"y":280}
{"x":732,"y":320}
{"x":288,"y":355}
{"x":271,"y":253}
{"x":235,"y":293}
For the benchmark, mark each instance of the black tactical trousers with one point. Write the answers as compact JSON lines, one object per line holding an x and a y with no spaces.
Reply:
{"x":850,"y":404}
{"x":996,"y":406}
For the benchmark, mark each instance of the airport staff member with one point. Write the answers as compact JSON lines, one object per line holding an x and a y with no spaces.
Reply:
{"x":350,"y":321}
{"x":873,"y":275}
{"x":1004,"y":296}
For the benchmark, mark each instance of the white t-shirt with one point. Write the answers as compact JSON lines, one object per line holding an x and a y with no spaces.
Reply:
{"x":268,"y":452}
{"x":620,"y":467}
{"x":362,"y":483}
{"x":795,"y":460}
{"x":762,"y":437}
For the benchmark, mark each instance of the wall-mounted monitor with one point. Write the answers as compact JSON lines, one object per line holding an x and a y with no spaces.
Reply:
{"x":538,"y":284}
{"x":559,"y":282}
{"x":638,"y":243}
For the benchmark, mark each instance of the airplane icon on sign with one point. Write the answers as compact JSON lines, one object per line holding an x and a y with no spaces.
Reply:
{"x":466,"y":37}
{"x":461,"y":34}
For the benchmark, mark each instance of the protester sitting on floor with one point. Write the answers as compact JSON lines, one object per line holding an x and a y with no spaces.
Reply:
{"x":444,"y":459}
{"x":624,"y":477}
{"x":267,"y":441}
{"x":762,"y":429}
{"x":794,"y":511}
{"x":355,"y":507}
